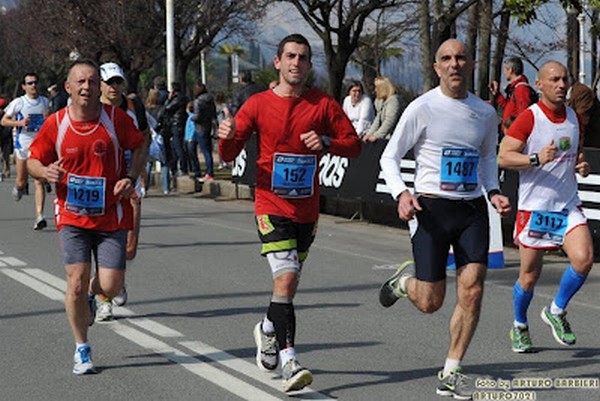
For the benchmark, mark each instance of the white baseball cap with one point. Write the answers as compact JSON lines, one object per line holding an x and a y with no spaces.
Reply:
{"x":111,"y":70}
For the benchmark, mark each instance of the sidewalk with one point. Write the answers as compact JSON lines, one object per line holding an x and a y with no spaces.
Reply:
{"x":220,"y":187}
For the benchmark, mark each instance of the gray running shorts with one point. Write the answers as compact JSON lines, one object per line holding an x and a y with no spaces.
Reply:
{"x":78,"y":245}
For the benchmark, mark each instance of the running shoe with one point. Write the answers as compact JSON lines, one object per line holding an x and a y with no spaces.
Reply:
{"x":82,"y":361}
{"x":121,"y":298}
{"x":92,"y":304}
{"x":40,"y":223}
{"x":390,"y":291}
{"x":456,"y":384}
{"x":295,"y":377}
{"x":521,"y":342}
{"x":267,"y":357}
{"x":104,"y":310}
{"x":17,"y":193}
{"x":561,"y":329}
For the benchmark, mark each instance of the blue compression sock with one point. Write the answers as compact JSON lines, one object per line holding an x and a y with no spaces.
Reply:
{"x":521,"y":301}
{"x":570,"y":283}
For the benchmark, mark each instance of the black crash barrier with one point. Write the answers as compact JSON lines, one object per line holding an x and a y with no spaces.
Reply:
{"x":354,"y":188}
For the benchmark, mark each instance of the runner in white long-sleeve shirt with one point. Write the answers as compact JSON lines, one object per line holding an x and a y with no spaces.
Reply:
{"x":453,"y":135}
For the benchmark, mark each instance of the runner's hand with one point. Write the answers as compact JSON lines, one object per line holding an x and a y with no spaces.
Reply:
{"x":582,"y":167}
{"x":227,"y":126}
{"x":124,"y":188}
{"x":408,"y":206}
{"x":502,"y":204}
{"x":548,"y":153}
{"x":55,"y":172}
{"x":312,"y":140}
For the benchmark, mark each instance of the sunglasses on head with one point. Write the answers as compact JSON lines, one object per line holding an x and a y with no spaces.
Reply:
{"x":31,"y":83}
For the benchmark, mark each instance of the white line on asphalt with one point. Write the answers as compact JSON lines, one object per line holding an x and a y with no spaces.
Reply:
{"x":149,"y":325}
{"x":47,"y":278}
{"x":248,"y":369}
{"x":34,"y":284}
{"x":194,"y":365}
{"x":31,"y":278}
{"x":9,"y":260}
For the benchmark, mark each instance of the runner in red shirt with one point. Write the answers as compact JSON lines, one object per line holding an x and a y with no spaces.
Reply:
{"x":80,"y":149}
{"x":295,"y":125}
{"x":544,"y":145}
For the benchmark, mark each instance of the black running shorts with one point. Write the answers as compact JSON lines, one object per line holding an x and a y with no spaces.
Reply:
{"x":464,"y":224}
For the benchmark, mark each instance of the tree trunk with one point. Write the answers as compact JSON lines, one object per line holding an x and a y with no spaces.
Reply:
{"x":471,"y":41}
{"x":485,"y":43}
{"x":501,"y":40}
{"x":369,"y":73}
{"x":594,"y":44}
{"x":427,"y":56}
{"x":336,"y":67}
{"x":573,"y":46}
{"x":182,"y":67}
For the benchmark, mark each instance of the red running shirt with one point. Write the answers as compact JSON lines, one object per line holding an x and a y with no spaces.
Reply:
{"x":88,"y":150}
{"x":278,"y":122}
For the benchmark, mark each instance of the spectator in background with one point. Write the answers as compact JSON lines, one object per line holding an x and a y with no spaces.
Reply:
{"x":247,"y":89}
{"x":191,"y":143}
{"x":177,"y":115}
{"x":387,"y":109}
{"x":359,"y":108}
{"x":221,"y":103}
{"x":161,"y":86}
{"x":6,"y":142}
{"x":519,"y":94}
{"x":157,"y":111}
{"x":204,"y":114}
{"x":26,"y":114}
{"x":585,"y":102}
{"x":58,"y":98}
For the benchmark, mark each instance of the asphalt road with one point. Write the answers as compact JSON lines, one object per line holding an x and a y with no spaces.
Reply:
{"x":199,"y":285}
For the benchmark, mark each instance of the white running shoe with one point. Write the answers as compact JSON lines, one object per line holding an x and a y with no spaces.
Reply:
{"x":103,"y":310}
{"x":40,"y":223}
{"x":17,"y":193}
{"x":267,"y":357}
{"x":82,"y":361}
{"x":295,"y":377}
{"x":121,"y":298}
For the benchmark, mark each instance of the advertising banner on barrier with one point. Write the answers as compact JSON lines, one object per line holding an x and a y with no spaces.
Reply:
{"x":360,"y":179}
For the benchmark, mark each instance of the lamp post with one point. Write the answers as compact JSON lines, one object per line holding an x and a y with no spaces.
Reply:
{"x":170,"y":15}
{"x":581,"y":20}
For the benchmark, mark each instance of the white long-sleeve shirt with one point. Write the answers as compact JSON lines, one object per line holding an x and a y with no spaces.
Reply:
{"x":361,"y":114}
{"x":465,"y":130}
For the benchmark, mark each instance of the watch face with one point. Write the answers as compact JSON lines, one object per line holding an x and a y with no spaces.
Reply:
{"x":534,"y":159}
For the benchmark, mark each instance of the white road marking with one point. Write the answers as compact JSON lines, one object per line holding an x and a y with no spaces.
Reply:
{"x":47,"y":278}
{"x":34,"y":284}
{"x":248,"y":369}
{"x":194,"y":365}
{"x":53,"y":287}
{"x":146,"y":324}
{"x":9,"y":260}
{"x":149,"y":325}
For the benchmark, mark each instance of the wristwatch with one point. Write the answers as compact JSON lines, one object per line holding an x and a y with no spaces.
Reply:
{"x":326,"y":141}
{"x":534,"y":160}
{"x":493,"y":193}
